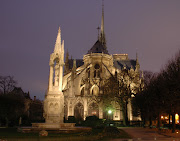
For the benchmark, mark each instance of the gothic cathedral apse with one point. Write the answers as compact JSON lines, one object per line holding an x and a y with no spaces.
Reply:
{"x":78,"y":90}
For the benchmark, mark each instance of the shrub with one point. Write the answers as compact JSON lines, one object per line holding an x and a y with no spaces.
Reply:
{"x":111,"y":131}
{"x":93,"y":121}
{"x":71,"y":119}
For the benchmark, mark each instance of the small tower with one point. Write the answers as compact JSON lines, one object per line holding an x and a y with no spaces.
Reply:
{"x":74,"y":69}
{"x":54,"y":99}
{"x":66,"y":67}
{"x":137,"y":64}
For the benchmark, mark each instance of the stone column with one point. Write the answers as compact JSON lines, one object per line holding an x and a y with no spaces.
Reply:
{"x":60,"y":77}
{"x":56,"y":77}
{"x":72,"y":109}
{"x":85,"y":108}
{"x":51,"y":78}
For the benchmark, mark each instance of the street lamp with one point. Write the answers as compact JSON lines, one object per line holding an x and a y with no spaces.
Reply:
{"x":109,"y":111}
{"x":109,"y":114}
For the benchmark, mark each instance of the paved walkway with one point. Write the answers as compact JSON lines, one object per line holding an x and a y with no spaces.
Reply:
{"x":143,"y":134}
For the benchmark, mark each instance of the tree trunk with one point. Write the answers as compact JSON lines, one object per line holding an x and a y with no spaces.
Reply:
{"x":144,"y":122}
{"x":169,"y":120}
{"x":159,"y":121}
{"x":173,"y":123}
{"x":150,"y":121}
{"x":126,"y":114}
{"x":124,"y":111}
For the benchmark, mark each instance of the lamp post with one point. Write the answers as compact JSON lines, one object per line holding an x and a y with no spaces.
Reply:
{"x":109,"y":114}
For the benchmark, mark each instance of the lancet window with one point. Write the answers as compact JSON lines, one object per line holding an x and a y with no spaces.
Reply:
{"x":96,"y":71}
{"x":82,"y":91}
{"x":88,"y":73}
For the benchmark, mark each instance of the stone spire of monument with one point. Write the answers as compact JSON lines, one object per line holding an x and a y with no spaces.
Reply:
{"x":62,"y":52}
{"x":56,"y":64}
{"x":102,"y":34}
{"x":54,"y":99}
{"x":57,"y":48}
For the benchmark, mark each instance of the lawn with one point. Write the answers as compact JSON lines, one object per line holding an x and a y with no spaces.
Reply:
{"x":11,"y":134}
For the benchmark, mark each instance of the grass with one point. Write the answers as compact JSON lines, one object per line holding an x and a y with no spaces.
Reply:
{"x":11,"y":134}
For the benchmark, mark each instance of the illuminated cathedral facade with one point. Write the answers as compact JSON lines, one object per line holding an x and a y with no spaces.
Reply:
{"x":78,"y":90}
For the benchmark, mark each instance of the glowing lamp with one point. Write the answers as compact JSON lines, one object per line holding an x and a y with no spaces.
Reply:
{"x":109,"y":112}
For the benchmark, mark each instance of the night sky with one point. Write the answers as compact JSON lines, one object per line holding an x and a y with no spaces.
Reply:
{"x":28,"y":31}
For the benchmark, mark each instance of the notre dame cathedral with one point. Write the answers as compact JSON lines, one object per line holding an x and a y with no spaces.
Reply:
{"x":80,"y":86}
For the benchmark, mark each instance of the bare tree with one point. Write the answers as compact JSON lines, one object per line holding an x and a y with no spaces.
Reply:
{"x":148,"y":76}
{"x":161,"y":93}
{"x":172,"y":81}
{"x":119,"y":91}
{"x":7,"y":84}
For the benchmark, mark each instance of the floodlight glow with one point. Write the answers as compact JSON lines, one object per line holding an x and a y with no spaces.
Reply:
{"x":109,"y":112}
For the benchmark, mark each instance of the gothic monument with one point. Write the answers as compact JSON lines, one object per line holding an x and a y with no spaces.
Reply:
{"x":54,"y":99}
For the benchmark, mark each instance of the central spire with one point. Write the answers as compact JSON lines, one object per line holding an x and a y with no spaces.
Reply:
{"x":102,"y":19}
{"x":102,"y":35}
{"x":100,"y":45}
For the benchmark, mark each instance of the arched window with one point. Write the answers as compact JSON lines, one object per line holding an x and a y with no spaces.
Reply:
{"x":88,"y":72}
{"x":94,"y":73}
{"x":96,"y":70}
{"x":98,"y":73}
{"x":96,"y":66}
{"x":93,"y":109}
{"x":79,"y":111}
{"x":82,"y":91}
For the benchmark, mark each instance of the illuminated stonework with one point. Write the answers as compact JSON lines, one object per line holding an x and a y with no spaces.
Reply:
{"x":85,"y":78}
{"x":54,"y":99}
{"x":79,"y":91}
{"x":83,"y":85}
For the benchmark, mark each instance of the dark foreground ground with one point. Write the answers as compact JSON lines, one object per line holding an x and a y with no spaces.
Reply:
{"x":147,"y":134}
{"x":125,"y":134}
{"x":11,"y":134}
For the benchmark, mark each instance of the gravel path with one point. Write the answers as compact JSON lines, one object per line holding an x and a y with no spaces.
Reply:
{"x":146,"y":134}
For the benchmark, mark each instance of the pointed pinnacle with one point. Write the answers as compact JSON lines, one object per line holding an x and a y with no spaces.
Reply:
{"x":59,"y":30}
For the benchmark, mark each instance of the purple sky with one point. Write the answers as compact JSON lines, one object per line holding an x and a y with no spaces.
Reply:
{"x":28,"y":31}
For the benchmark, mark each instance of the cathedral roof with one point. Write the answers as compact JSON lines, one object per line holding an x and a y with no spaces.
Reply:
{"x":98,"y":47}
{"x":125,"y":63}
